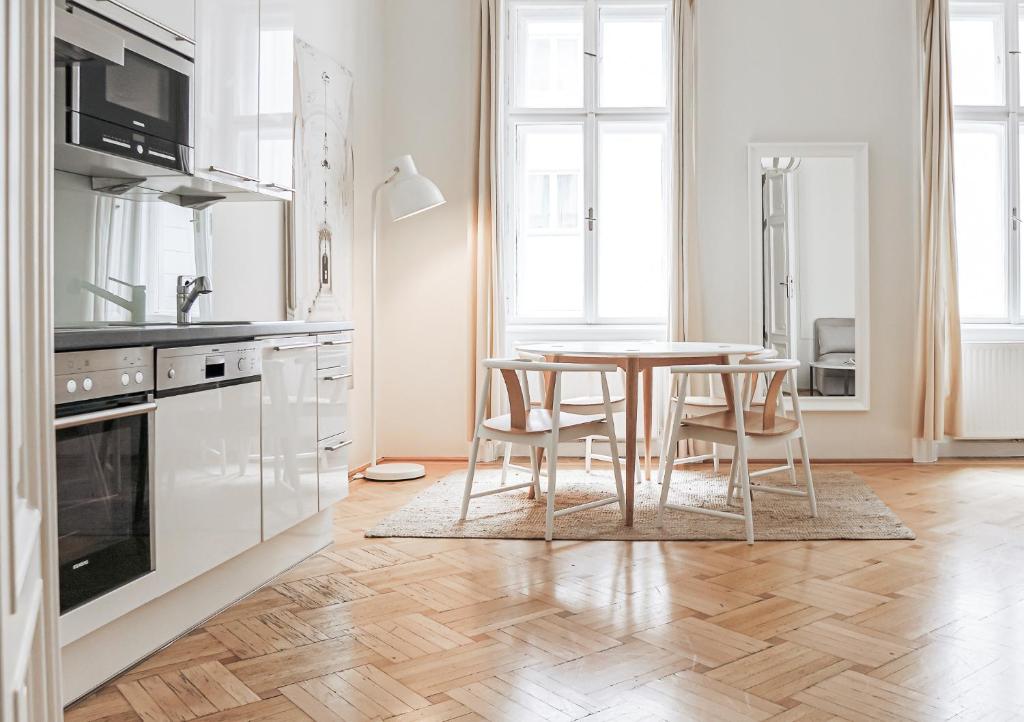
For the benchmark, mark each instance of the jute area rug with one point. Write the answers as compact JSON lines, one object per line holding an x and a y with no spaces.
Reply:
{"x":847,"y":509}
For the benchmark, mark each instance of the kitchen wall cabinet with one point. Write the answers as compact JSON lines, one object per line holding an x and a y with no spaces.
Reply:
{"x":227,"y":90}
{"x":276,"y":102}
{"x":289,"y":432}
{"x":170,"y":23}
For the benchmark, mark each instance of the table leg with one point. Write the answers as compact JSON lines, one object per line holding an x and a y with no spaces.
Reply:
{"x":648,"y":406}
{"x":632,"y":381}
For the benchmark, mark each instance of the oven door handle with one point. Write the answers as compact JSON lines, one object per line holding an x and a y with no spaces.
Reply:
{"x":67,"y":422}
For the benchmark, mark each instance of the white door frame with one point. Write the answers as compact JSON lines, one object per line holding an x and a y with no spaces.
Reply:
{"x":29,"y":646}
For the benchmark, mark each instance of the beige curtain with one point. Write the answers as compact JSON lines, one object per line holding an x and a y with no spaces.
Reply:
{"x":485,"y":304}
{"x":937,"y":405}
{"x":684,"y":283}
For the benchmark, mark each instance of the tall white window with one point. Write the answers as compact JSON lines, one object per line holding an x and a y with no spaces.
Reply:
{"x":586,"y":161}
{"x":988,"y":88}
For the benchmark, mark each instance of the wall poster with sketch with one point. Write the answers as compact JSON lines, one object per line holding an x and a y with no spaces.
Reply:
{"x":323,"y":220}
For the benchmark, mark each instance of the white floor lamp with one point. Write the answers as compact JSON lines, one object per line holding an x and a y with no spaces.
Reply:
{"x":408,"y":193}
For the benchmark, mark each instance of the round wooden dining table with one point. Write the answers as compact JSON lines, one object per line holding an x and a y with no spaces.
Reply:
{"x":638,"y":358}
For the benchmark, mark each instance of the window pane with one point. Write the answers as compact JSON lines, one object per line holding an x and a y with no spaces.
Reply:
{"x":633,"y":63}
{"x":549,"y":241}
{"x":976,"y":31}
{"x":549,"y":65}
{"x":980,"y":152}
{"x":632,"y":220}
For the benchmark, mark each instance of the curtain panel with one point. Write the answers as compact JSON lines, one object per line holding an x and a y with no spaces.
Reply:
{"x":937,"y":369}
{"x":684,"y":281}
{"x":486,"y":288}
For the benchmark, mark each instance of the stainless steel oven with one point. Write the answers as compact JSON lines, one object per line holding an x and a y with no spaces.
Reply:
{"x":137,"y":105}
{"x":105,"y":446}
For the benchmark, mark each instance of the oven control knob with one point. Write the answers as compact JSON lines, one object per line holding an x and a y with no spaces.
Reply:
{"x":242,"y":364}
{"x":87,"y":384}
{"x":171,"y":373}
{"x":124,"y":379}
{"x":72,"y":386}
{"x":138,"y":149}
{"x":138,"y":377}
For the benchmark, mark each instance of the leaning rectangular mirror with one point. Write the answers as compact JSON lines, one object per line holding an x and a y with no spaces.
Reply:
{"x":809,"y":265}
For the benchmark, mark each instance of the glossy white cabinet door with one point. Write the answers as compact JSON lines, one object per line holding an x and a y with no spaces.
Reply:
{"x":334,"y":470}
{"x":277,"y":70}
{"x":207,"y":505}
{"x":289,"y":433}
{"x":227,"y":91}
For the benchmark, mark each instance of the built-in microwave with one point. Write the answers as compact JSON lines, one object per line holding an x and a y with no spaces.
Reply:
{"x":139,"y":108}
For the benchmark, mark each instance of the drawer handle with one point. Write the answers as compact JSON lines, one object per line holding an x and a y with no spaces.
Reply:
{"x":337,"y":377}
{"x":339,"y":445}
{"x":232,"y":173}
{"x":334,"y":343}
{"x":293,"y":346}
{"x":278,"y":187}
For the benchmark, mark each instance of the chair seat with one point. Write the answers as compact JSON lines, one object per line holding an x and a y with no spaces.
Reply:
{"x":538,"y":421}
{"x":753,"y":423}
{"x":712,"y":402}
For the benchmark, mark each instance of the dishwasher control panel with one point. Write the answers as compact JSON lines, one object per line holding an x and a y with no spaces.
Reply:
{"x":190,"y":366}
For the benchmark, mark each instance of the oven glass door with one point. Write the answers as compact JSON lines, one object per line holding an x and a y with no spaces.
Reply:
{"x":103,"y":497}
{"x":142,"y":95}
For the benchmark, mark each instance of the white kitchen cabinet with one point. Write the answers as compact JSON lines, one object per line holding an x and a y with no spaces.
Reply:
{"x":333,"y":470}
{"x":227,"y":91}
{"x":170,"y":23}
{"x":208,"y":488}
{"x":289,"y":432}
{"x":277,"y":70}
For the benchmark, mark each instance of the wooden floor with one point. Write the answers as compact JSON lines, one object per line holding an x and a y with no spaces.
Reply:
{"x":419,"y":629}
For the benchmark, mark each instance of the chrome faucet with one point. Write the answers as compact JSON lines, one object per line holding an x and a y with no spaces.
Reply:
{"x":136,"y":305}
{"x":190,"y":288}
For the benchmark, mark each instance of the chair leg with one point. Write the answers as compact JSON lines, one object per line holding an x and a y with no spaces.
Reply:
{"x":590,"y":450}
{"x":469,"y":477}
{"x":504,"y":464}
{"x":667,"y":466}
{"x":714,"y":456}
{"x":743,"y":470}
{"x":812,"y":502}
{"x":549,"y":524}
{"x":613,"y":445}
{"x":535,"y":466}
{"x":789,"y":462}
{"x":729,"y":497}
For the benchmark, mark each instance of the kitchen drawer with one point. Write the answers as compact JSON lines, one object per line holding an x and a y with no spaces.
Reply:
{"x":335,"y":351}
{"x":333,"y":391}
{"x":333,"y":467}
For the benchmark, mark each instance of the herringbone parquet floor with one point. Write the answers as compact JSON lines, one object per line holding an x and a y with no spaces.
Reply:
{"x":414,"y":629}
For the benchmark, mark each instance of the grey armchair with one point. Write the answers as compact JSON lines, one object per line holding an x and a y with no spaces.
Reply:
{"x":834,"y":342}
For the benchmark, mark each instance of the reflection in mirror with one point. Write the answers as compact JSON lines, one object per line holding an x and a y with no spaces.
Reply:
{"x":117,"y":257}
{"x":809,"y":257}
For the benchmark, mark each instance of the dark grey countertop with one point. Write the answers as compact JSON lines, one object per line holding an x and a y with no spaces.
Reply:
{"x":119,"y":336}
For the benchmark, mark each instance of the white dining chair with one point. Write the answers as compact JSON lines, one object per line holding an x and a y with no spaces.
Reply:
{"x":583,"y":405}
{"x":747,"y":428}
{"x":542,"y":430}
{"x":698,"y":405}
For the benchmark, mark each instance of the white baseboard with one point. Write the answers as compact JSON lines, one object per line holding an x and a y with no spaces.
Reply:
{"x":977,"y":448}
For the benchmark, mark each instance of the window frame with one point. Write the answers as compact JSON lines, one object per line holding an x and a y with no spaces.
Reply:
{"x":588,"y":116}
{"x":1011,"y":116}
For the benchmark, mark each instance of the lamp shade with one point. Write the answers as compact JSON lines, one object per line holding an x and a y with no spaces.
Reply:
{"x":410,"y":193}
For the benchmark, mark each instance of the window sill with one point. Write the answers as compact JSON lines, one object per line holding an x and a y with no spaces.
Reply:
{"x":992,"y":333}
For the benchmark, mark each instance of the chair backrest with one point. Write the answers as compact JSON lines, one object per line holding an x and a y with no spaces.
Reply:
{"x":513,"y":374}
{"x":776,"y":371}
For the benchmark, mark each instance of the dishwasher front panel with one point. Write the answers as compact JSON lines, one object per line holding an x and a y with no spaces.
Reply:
{"x":208,"y":479}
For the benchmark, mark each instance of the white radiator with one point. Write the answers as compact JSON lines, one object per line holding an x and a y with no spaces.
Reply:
{"x":993,"y":378}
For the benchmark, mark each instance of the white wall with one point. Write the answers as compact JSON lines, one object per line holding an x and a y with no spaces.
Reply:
{"x":815,"y":71}
{"x":424,"y":262}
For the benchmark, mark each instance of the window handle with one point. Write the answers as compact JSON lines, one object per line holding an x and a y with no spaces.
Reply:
{"x":591,"y":218}
{"x":1016,"y":221}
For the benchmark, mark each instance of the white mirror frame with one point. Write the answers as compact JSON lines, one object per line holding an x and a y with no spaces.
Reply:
{"x":861,"y":401}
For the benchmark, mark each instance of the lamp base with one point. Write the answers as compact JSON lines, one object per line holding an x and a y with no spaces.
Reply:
{"x":394,"y":472}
